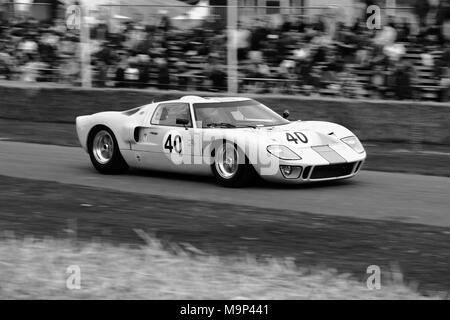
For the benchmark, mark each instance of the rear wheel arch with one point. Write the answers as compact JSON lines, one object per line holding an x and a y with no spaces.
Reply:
{"x":92,"y":132}
{"x":116,"y":164}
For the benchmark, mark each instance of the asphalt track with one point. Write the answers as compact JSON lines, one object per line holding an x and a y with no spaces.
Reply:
{"x":373,"y":195}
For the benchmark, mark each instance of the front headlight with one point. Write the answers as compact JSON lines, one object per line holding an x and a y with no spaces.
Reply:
{"x":283,"y":152}
{"x":354,"y":143}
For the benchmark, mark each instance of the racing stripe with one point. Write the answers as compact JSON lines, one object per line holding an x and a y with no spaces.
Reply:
{"x":329,"y":154}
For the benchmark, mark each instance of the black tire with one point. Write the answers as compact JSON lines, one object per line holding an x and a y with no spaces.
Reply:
{"x":115,"y":163}
{"x":244,"y":174}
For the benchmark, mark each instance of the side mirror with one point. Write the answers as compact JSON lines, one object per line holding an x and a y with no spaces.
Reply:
{"x":286,"y":114}
{"x":182,"y":121}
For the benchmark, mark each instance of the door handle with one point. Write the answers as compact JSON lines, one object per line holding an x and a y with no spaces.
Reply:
{"x":154,"y":133}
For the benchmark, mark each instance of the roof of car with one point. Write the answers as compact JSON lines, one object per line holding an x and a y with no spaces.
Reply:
{"x":197,"y":99}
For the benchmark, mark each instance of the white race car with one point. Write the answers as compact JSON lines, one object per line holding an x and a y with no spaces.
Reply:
{"x":234,"y":139}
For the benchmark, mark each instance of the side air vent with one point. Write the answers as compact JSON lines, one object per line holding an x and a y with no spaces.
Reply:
{"x":136,"y":134}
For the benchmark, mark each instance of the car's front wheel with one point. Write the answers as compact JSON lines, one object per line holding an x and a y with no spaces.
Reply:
{"x":104,"y":151}
{"x":231,"y":167}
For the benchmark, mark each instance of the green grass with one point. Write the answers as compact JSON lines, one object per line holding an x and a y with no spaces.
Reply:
{"x":36,"y":269}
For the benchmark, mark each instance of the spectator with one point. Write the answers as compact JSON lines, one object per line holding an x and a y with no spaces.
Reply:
{"x":386,"y":36}
{"x":27,"y":45}
{"x":163,"y":73}
{"x":241,"y":40}
{"x":182,"y":79}
{"x":286,"y":26}
{"x":140,"y":55}
{"x":378,"y":82}
{"x":165,"y":24}
{"x":31,"y":68}
{"x":304,"y":71}
{"x":402,"y":81}
{"x":301,"y":25}
{"x":443,"y":72}
{"x":421,"y":9}
{"x":404,"y":31}
{"x":215,"y":74}
{"x":320,"y":25}
{"x":131,"y":72}
{"x":445,"y":84}
{"x":443,"y":21}
{"x":102,"y":73}
{"x":120,"y":71}
{"x":258,"y":35}
{"x":7,"y":61}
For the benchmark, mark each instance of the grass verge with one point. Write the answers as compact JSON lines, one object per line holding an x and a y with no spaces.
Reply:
{"x":38,"y":269}
{"x":39,"y":209}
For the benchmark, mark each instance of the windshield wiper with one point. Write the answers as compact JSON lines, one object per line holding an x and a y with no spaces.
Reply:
{"x":247,"y":126}
{"x":229,"y":125}
{"x":221,"y":124}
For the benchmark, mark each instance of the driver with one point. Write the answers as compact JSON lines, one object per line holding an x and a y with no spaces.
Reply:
{"x":209,"y":115}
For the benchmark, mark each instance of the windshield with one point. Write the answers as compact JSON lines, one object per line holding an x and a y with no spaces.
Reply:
{"x":235,"y":114}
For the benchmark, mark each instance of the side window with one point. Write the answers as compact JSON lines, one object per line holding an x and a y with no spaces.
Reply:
{"x":167,"y":114}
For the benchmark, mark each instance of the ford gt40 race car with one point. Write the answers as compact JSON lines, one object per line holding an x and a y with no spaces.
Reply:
{"x":235,"y":139}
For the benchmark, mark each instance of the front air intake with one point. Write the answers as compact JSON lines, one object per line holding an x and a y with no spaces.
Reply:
{"x":306,"y":172}
{"x":332,"y":171}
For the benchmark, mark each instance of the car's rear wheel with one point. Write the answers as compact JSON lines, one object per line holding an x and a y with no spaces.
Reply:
{"x":104,"y":151}
{"x":231,"y":167}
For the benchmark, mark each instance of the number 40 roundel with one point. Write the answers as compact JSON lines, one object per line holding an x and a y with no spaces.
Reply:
{"x":173,"y":143}
{"x":296,"y":137}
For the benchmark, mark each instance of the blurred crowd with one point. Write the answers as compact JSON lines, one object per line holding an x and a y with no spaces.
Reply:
{"x":301,"y":55}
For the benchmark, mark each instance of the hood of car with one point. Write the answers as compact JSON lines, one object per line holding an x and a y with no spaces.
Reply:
{"x":303,"y":138}
{"x":301,"y":134}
